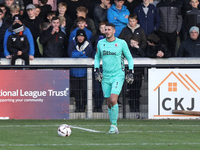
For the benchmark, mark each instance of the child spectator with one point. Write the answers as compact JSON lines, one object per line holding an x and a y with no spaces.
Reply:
{"x":44,"y":9}
{"x":134,"y":29}
{"x":82,"y":12}
{"x":20,"y":3}
{"x":50,"y":15}
{"x":73,"y":5}
{"x":155,"y":49}
{"x":37,"y":10}
{"x":81,"y":23}
{"x":3,"y":27}
{"x":100,"y":12}
{"x":118,"y":15}
{"x":62,"y":23}
{"x":192,"y":17}
{"x":134,"y":89}
{"x":8,"y":3}
{"x":26,"y":31}
{"x":148,"y":17}
{"x":80,"y":47}
{"x":171,"y":22}
{"x":14,"y":10}
{"x":62,"y":8}
{"x":18,"y":44}
{"x":33,"y":23}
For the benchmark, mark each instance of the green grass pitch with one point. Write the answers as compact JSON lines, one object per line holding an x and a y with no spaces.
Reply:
{"x":91,"y":135}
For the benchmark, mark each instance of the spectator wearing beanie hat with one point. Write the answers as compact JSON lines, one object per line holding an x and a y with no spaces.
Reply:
{"x":191,"y":46}
{"x":80,"y":47}
{"x":26,"y":31}
{"x":18,"y":44}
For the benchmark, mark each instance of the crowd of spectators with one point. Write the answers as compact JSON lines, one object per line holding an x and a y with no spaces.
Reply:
{"x":52,"y":28}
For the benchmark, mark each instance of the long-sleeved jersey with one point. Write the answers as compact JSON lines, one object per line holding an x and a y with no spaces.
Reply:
{"x":112,"y":54}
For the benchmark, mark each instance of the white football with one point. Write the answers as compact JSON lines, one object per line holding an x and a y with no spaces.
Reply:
{"x":64,"y":130}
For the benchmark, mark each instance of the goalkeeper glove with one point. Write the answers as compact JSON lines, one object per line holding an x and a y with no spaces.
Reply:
{"x":129,"y":77}
{"x":98,"y":75}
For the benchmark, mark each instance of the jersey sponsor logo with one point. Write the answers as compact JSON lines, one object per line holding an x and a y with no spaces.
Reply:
{"x":108,"y":53}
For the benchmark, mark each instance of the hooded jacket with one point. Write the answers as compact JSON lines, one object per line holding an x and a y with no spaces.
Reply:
{"x":73,"y":34}
{"x":138,"y":32}
{"x":26,"y":32}
{"x":118,"y":18}
{"x":74,"y":51}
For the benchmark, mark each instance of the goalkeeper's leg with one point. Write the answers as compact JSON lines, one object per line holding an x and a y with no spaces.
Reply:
{"x":113,"y":110}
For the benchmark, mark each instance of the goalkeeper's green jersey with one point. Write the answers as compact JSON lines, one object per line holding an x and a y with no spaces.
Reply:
{"x":112,"y":55}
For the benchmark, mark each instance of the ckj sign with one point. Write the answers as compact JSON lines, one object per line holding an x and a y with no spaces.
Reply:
{"x":173,"y":89}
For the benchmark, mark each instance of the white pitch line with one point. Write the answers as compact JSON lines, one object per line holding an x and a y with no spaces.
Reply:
{"x":97,"y":144}
{"x":8,"y":126}
{"x":90,"y":130}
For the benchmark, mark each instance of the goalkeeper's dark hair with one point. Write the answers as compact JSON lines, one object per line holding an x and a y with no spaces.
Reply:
{"x":111,"y":25}
{"x":153,"y":38}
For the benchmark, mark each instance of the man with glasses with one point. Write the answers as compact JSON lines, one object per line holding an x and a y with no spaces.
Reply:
{"x":191,"y":46}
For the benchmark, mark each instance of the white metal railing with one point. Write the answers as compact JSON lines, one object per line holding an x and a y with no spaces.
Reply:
{"x":90,"y":61}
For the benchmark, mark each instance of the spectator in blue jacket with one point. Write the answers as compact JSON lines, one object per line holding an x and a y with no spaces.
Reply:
{"x":118,"y":15}
{"x":27,"y":32}
{"x":148,"y":17}
{"x":80,"y":47}
{"x":81,"y":23}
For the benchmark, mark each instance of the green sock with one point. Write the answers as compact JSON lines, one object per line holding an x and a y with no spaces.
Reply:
{"x":109,"y":113}
{"x":114,"y":113}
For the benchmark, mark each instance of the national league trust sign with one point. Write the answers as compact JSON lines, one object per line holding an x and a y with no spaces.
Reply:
{"x":34,"y":94}
{"x":173,"y":89}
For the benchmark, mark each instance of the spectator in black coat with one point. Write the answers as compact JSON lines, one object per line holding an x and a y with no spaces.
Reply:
{"x":3,"y":27}
{"x":33,"y":23}
{"x":191,"y":46}
{"x":100,"y":12}
{"x":54,"y":40}
{"x":18,"y":44}
{"x":155,"y":49}
{"x":45,"y":8}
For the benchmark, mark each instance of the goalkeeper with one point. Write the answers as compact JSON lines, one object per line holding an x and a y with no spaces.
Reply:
{"x":112,"y":51}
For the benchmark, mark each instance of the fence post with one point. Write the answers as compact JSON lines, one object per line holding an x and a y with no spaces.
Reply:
{"x":89,"y":93}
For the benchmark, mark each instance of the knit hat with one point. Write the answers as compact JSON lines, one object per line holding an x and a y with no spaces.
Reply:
{"x":195,"y":29}
{"x":17,"y":17}
{"x":81,"y":32}
{"x":17,"y":28}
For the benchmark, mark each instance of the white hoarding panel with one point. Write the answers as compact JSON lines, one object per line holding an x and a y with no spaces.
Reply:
{"x":173,"y":89}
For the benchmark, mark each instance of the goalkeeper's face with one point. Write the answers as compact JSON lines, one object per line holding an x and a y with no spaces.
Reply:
{"x":109,"y":31}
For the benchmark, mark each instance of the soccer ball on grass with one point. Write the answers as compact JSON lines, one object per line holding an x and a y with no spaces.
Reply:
{"x":64,"y":130}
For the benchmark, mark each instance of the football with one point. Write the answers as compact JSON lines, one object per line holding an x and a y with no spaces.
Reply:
{"x":64,"y":130}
